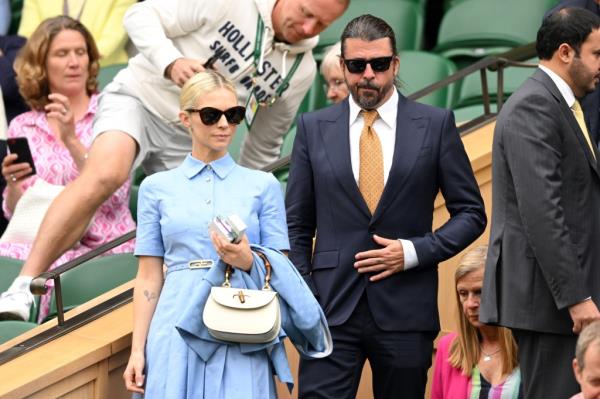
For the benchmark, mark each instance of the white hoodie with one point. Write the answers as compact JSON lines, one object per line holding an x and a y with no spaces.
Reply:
{"x":164,"y":30}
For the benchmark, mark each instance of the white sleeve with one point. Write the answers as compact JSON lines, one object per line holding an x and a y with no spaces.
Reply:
{"x":152,"y":24}
{"x":410,"y":254}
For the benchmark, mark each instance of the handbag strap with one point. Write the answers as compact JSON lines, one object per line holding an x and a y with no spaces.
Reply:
{"x":267,"y":286}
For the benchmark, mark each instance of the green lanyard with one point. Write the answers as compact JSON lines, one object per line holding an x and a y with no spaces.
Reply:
{"x":260,"y":27}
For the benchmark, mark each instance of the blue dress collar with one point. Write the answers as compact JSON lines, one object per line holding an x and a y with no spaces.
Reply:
{"x":222,"y":166}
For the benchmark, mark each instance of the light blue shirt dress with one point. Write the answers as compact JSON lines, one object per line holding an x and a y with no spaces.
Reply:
{"x":174,"y":210}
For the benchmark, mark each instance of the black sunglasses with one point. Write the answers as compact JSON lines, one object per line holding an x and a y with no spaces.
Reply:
{"x":210,"y":116}
{"x":358,"y":65}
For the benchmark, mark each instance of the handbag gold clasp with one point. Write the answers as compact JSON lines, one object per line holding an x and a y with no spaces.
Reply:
{"x":241,"y":296}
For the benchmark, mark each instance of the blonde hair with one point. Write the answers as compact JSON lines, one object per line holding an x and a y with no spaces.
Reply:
{"x":202,"y":83}
{"x":30,"y":64}
{"x":332,"y":58}
{"x":588,"y":337}
{"x":465,"y":350}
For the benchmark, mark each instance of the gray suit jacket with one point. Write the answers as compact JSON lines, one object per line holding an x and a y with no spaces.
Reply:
{"x":543,"y":255}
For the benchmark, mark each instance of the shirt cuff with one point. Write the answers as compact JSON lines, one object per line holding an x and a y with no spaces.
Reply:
{"x":411,"y":259}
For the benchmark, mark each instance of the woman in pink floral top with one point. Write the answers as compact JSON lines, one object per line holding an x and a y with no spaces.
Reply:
{"x":59,"y":132}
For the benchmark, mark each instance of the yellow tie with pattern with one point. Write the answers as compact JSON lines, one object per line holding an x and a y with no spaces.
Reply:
{"x":370,"y":175}
{"x":581,"y":121}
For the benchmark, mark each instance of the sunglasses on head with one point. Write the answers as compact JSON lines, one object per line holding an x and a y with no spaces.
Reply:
{"x":210,"y":116}
{"x":358,"y":65}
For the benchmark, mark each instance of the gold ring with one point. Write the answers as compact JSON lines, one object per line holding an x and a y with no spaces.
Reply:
{"x":64,"y":110}
{"x":13,"y":177}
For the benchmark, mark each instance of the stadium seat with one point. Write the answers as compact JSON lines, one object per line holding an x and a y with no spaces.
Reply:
{"x":236,"y":144}
{"x":448,"y":4}
{"x":282,"y":175}
{"x":9,"y":269}
{"x":107,"y":73}
{"x":316,"y":97}
{"x":470,"y":89}
{"x":94,"y":278}
{"x":10,"y":329}
{"x":420,"y":69}
{"x":133,"y":198}
{"x":465,"y":114}
{"x":288,"y":142}
{"x":472,"y":29}
{"x":138,"y":176}
{"x":405,"y":17}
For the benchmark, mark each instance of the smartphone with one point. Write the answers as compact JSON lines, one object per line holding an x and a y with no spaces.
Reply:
{"x":20,"y":146}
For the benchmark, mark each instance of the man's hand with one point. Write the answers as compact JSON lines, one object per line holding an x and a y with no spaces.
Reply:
{"x":387,"y":260}
{"x":180,"y":70}
{"x":583,"y":314}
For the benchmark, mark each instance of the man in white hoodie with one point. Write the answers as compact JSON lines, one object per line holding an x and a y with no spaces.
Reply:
{"x":263,"y":46}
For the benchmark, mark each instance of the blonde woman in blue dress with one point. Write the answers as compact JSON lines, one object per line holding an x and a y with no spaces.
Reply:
{"x":172,"y":355}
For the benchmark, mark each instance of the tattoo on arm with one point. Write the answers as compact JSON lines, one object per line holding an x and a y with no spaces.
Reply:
{"x":149,"y":295}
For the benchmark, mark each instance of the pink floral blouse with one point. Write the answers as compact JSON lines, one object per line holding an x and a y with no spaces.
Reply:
{"x":54,"y":164}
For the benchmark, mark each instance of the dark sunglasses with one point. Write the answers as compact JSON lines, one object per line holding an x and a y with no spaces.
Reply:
{"x":358,"y":65}
{"x":210,"y":116}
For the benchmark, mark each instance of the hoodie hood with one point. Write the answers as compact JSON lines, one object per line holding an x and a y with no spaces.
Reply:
{"x":265,"y":8}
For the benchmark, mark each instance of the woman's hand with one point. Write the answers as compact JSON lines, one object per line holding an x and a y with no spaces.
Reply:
{"x":14,"y":172}
{"x":134,"y":373}
{"x":59,"y":109}
{"x":237,"y":255}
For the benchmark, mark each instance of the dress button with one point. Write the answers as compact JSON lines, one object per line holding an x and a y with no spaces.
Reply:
{"x":208,"y":179}
{"x":207,"y":202}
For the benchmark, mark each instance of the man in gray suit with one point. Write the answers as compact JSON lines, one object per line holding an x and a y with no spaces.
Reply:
{"x":542,"y":275}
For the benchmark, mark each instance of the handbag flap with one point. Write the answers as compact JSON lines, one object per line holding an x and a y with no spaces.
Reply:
{"x":30,"y":211}
{"x":239,"y":298}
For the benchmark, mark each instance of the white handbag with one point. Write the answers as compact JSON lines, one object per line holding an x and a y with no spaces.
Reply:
{"x":243,"y":315}
{"x":30,"y":211}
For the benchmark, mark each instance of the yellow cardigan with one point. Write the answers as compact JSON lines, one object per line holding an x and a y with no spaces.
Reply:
{"x":103,"y":18}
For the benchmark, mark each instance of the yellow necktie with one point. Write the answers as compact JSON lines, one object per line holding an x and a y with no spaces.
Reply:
{"x":370,"y":175}
{"x":581,"y":121}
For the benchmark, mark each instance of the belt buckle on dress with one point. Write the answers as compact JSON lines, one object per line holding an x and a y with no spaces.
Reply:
{"x":201,"y":264}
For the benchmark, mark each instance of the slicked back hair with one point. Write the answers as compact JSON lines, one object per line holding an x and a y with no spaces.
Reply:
{"x":569,"y":25}
{"x":368,"y":28}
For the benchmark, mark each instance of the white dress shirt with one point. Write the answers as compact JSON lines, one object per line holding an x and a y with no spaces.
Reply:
{"x":385,"y":128}
{"x":563,"y":87}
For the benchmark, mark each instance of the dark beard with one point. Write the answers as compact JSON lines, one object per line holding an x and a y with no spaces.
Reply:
{"x":370,"y":102}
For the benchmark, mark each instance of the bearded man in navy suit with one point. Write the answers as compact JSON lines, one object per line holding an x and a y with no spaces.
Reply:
{"x":364,"y":176}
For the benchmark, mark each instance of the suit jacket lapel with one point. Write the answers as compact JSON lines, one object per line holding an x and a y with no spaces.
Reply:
{"x":336,"y":143}
{"x":543,"y":78}
{"x":410,"y":134}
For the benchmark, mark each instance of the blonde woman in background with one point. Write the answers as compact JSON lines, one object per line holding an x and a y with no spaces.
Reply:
{"x":336,"y":89}
{"x":478,"y":361}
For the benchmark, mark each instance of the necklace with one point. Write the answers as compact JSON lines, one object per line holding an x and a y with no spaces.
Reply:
{"x":488,"y":356}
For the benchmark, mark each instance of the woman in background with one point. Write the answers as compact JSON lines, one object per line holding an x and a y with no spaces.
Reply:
{"x":479,"y":361}
{"x":56,"y":72}
{"x":336,"y":89}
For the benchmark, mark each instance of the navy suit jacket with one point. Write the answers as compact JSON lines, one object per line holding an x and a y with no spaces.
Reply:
{"x":323,"y":198}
